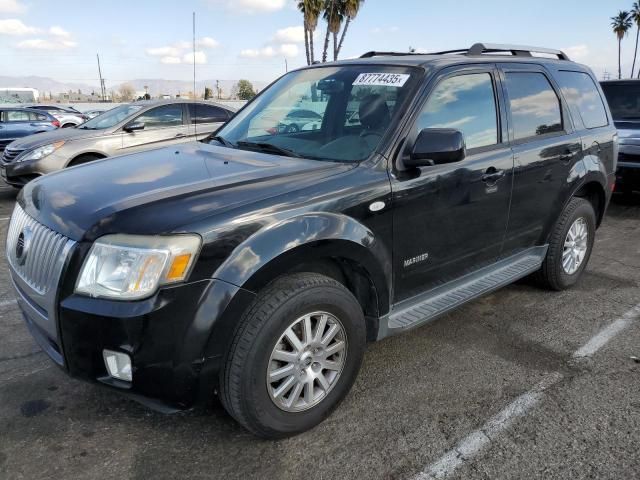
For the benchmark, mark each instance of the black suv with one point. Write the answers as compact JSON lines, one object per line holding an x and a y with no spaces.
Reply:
{"x":257,"y":266}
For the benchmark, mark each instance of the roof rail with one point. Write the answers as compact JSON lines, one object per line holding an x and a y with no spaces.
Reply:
{"x":479,"y":49}
{"x":517,"y":50}
{"x":373,"y":53}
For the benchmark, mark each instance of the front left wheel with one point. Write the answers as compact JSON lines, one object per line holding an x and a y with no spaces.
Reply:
{"x":294,"y":357}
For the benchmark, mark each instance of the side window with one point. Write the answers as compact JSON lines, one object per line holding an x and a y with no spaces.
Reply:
{"x":17,"y":116}
{"x":165,"y":116}
{"x":466,"y":103}
{"x":535,"y":107}
{"x":37,"y":117}
{"x":200,"y":113}
{"x":583,"y":98}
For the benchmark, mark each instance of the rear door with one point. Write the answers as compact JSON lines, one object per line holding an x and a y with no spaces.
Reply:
{"x":163,"y":125}
{"x":205,"y":119}
{"x":450,"y":219}
{"x":546,"y":148}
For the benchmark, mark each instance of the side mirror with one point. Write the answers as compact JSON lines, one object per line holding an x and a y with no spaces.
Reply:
{"x":436,"y":146}
{"x":133,"y":126}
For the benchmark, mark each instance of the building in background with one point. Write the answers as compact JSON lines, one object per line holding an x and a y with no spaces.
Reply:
{"x":19,"y":95}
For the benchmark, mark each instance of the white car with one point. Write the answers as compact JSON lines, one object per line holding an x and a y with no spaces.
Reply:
{"x":67,"y":116}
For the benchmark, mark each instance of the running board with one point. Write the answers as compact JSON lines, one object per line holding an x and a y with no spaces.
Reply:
{"x":428,"y":306}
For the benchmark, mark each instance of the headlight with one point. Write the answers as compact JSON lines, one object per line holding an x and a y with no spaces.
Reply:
{"x":40,"y":152}
{"x":134,"y":266}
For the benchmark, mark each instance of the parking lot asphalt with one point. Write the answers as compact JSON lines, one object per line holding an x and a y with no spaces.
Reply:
{"x":493,"y":390}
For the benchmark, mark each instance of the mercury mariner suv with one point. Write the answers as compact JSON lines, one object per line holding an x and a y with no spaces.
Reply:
{"x":257,"y":265}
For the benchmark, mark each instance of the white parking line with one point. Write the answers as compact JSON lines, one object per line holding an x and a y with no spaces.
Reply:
{"x":8,"y":302}
{"x":606,"y":334}
{"x":473,"y":444}
{"x":4,"y":219}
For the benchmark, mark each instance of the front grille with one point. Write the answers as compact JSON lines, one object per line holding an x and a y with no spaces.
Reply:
{"x":3,"y":144}
{"x":625,"y":157}
{"x":10,"y":154}
{"x":34,"y":251}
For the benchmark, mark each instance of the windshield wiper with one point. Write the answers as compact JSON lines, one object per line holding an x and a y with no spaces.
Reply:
{"x":269,"y":148}
{"x":223,"y":141}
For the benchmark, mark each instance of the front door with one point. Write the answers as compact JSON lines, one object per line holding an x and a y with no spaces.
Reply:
{"x":450,"y":219}
{"x":164,"y":125}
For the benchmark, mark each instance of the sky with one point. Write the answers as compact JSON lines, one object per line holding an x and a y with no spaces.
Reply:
{"x":253,"y":38}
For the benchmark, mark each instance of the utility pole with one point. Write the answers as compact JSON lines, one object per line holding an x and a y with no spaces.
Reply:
{"x":218,"y":88}
{"x":286,"y":66}
{"x":102,"y":87}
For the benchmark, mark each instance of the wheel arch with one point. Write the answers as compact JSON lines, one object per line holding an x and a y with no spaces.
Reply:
{"x":76,"y":160}
{"x":330,"y":244}
{"x":595,"y":192}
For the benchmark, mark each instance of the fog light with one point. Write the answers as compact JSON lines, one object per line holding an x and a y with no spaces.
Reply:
{"x":118,"y":365}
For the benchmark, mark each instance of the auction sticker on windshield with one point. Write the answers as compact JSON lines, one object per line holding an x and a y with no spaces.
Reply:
{"x":382,"y":79}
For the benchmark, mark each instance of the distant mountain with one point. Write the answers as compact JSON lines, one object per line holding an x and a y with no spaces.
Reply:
{"x":45,"y":84}
{"x":157,"y":86}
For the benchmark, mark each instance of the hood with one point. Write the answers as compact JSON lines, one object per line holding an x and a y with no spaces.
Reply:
{"x":161,"y":190}
{"x":45,"y":138}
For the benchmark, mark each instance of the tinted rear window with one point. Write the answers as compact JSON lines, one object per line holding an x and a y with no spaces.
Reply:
{"x":207,"y":113}
{"x":624,"y":100}
{"x":583,"y":97}
{"x":535,"y":107}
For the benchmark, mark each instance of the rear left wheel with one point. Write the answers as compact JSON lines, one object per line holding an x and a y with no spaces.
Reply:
{"x":570,"y":246}
{"x":294,"y":357}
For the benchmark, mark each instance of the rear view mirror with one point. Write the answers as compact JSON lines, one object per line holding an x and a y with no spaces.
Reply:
{"x":435,"y":146}
{"x":330,"y":86}
{"x":133,"y":126}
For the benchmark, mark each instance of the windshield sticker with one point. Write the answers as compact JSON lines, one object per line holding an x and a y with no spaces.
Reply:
{"x":382,"y":79}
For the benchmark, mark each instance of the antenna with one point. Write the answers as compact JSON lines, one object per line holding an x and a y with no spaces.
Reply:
{"x":195,"y":106}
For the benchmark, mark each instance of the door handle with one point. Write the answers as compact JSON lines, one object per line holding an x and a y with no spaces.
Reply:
{"x":492,"y":175}
{"x":568,"y":154}
{"x":180,"y":135}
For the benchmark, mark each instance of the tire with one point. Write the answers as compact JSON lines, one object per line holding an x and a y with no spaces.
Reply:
{"x":293,"y":128}
{"x":68,"y":125}
{"x":245,"y":390}
{"x":553,"y":273}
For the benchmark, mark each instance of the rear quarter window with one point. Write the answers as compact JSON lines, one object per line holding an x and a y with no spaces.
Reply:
{"x":583,"y":98}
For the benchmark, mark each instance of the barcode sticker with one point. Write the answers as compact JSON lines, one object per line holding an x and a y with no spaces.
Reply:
{"x":382,"y":79}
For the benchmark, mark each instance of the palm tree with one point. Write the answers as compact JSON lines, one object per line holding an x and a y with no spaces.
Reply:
{"x":350,"y":10}
{"x":621,"y":24}
{"x":302,"y":6}
{"x":333,"y":15}
{"x":311,"y":12}
{"x":635,"y":16}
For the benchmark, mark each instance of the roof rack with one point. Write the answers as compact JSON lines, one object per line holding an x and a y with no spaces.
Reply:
{"x":480,"y":49}
{"x":516,"y":50}
{"x":374,"y":53}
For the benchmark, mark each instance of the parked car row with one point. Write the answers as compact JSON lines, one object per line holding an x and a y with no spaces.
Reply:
{"x":121,"y":130}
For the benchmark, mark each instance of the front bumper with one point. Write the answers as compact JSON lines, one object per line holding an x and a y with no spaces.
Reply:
{"x":166,"y":337}
{"x":18,"y":174}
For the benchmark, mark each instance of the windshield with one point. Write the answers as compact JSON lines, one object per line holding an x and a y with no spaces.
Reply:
{"x":624,"y":100}
{"x":111,"y":118}
{"x":329,"y":113}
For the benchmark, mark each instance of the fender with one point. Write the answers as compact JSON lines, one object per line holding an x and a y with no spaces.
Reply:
{"x":283,"y":245}
{"x":280,"y":247}
{"x":586,"y":171}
